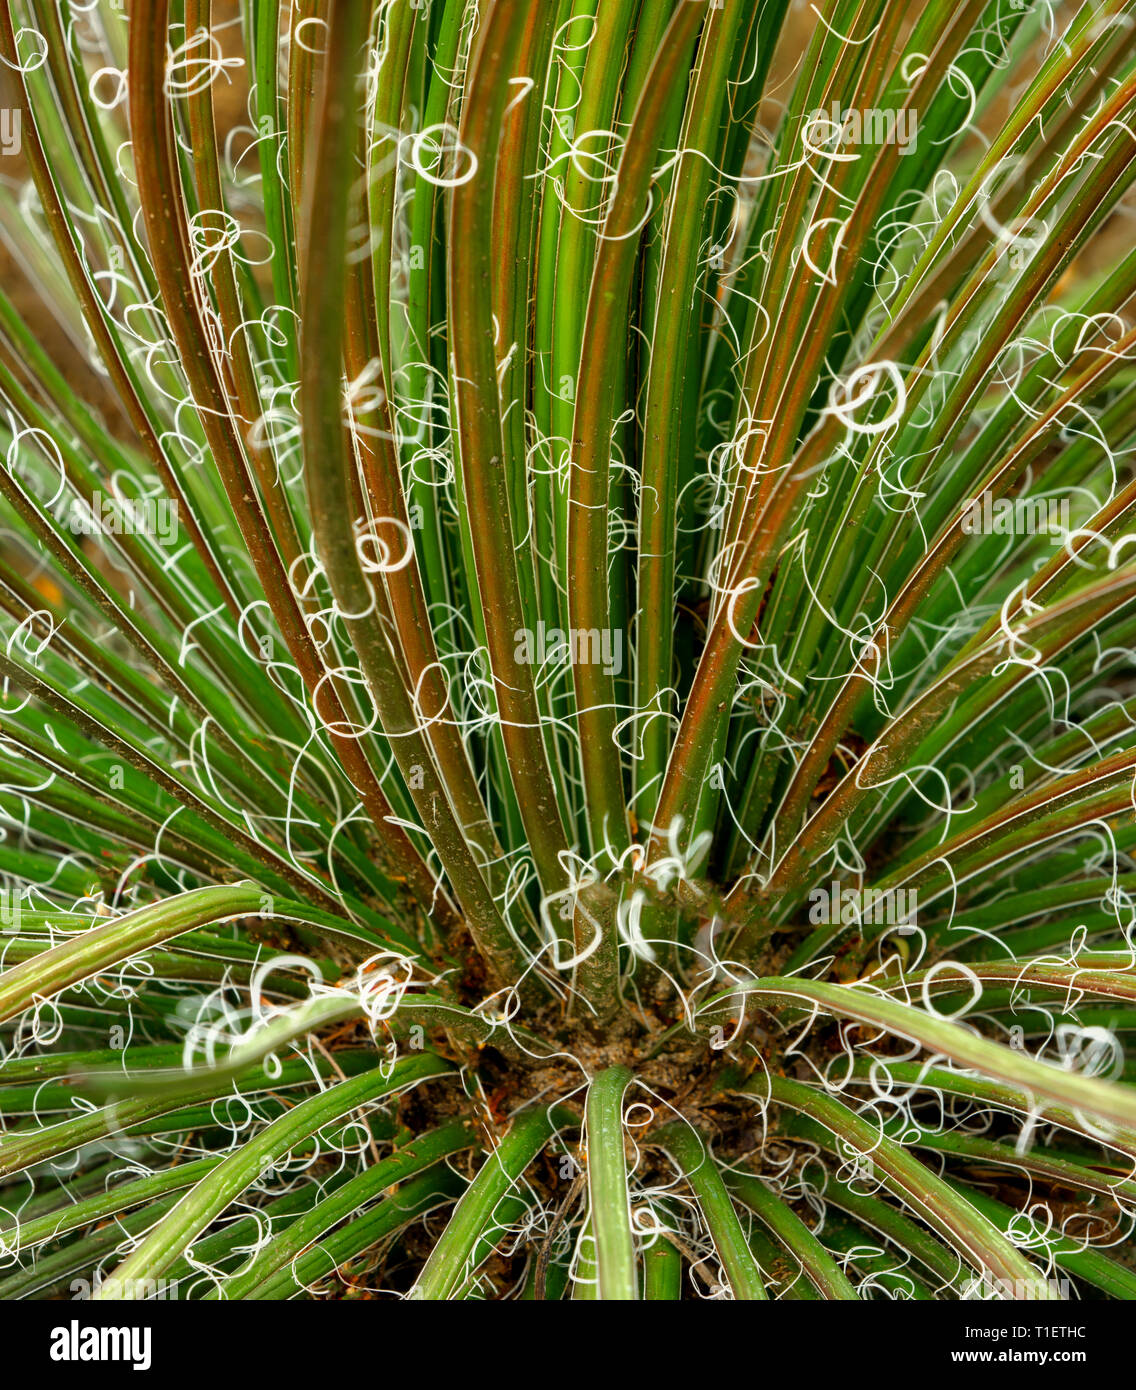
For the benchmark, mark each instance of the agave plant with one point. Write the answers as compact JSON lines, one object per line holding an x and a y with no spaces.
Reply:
{"x":568,"y":723}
